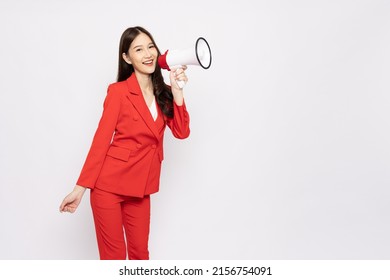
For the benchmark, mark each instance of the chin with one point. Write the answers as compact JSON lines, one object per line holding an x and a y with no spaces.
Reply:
{"x":150,"y":71}
{"x":147,"y":70}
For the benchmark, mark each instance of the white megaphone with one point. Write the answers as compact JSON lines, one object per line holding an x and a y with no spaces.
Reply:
{"x":201,"y":56}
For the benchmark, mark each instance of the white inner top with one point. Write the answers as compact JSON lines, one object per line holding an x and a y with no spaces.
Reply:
{"x":153,"y":109}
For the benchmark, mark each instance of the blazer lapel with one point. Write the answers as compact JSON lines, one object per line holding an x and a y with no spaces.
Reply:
{"x":139,"y":103}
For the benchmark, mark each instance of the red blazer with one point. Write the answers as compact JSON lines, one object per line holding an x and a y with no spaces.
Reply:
{"x":127,"y":149}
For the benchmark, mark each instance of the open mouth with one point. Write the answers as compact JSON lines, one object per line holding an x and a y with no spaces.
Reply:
{"x":148,"y":62}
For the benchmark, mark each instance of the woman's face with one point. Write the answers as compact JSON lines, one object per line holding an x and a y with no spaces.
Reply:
{"x":142,"y":54}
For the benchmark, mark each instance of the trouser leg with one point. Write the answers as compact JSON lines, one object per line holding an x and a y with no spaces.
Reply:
{"x":107,"y":214}
{"x":136,"y":220}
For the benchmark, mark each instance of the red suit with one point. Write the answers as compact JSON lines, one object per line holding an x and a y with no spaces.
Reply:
{"x":126,"y":154}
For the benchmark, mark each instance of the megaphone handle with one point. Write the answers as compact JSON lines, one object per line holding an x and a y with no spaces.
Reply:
{"x":181,"y":84}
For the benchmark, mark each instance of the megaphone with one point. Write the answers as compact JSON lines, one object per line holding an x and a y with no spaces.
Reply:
{"x":200,"y":56}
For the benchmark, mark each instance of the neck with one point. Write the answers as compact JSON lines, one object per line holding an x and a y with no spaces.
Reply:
{"x":145,"y":82}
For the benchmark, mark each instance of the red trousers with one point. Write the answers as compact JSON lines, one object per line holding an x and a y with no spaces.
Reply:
{"x":114,"y":213}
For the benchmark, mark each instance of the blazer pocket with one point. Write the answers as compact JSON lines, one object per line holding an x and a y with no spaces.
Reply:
{"x":119,"y":153}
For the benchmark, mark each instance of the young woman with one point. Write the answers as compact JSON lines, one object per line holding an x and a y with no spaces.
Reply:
{"x":123,"y":165}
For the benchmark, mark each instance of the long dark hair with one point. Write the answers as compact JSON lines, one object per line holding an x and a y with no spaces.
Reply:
{"x":162,"y":92}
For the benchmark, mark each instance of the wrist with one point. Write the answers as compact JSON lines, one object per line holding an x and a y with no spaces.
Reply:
{"x":79,"y":189}
{"x":178,"y":98}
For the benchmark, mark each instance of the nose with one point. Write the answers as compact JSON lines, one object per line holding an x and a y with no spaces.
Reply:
{"x":148,"y":53}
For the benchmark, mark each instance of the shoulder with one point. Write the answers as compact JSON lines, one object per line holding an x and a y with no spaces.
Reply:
{"x":117,"y":87}
{"x":116,"y":90}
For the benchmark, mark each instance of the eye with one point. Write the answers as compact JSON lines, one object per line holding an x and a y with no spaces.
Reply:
{"x":138,"y":50}
{"x":152,"y":47}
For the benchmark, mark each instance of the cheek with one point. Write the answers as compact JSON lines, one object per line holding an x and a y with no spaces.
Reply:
{"x":135,"y":58}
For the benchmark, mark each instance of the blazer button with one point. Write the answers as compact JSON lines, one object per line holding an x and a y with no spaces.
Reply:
{"x":139,"y":145}
{"x":154,"y":146}
{"x":135,"y":118}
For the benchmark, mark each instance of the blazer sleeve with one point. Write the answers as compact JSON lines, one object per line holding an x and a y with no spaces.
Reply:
{"x":180,"y":123}
{"x":102,"y":140}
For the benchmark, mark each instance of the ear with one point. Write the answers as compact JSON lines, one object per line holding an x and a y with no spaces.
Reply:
{"x":126,"y":58}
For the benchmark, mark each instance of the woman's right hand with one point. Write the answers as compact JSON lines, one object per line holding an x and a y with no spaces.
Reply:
{"x":72,"y":200}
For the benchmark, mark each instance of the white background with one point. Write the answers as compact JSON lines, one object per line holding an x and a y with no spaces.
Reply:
{"x":288,"y":156}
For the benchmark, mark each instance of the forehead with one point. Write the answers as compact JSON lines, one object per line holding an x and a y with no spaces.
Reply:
{"x":141,"y":39}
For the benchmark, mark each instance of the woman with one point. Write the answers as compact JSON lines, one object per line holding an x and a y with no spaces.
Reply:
{"x":123,"y":165}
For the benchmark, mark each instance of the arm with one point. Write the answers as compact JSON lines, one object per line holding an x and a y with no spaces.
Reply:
{"x":97,"y":152}
{"x":101,"y":141}
{"x":180,"y":123}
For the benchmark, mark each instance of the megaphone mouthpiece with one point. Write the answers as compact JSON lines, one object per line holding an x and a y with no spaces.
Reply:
{"x":162,"y":61}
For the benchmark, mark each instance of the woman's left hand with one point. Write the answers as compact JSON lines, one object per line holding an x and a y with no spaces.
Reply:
{"x":178,"y":75}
